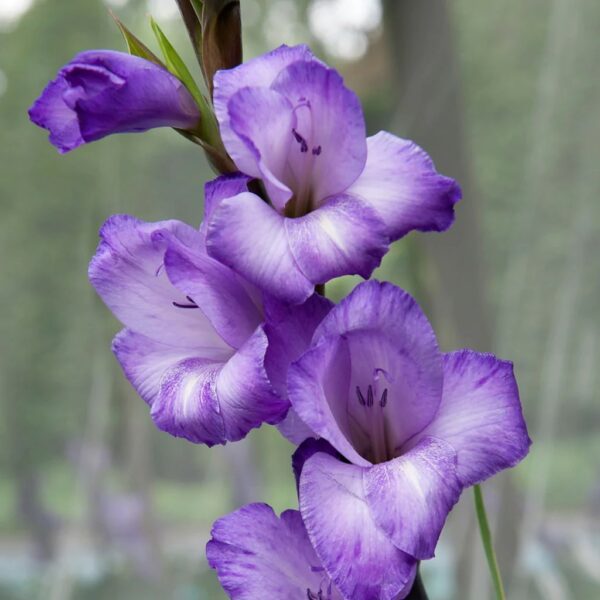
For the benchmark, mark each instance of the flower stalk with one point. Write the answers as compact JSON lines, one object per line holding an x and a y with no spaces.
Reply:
{"x":486,"y":538}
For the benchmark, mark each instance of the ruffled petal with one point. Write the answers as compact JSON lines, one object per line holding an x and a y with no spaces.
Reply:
{"x":400,"y":182}
{"x":411,"y":496}
{"x":343,"y":237}
{"x":52,"y":113}
{"x":263,"y":120}
{"x":358,"y":556}
{"x":177,"y":384}
{"x":205,"y":399}
{"x":250,"y":237}
{"x":480,"y":415}
{"x":392,"y":346}
{"x":257,"y":555}
{"x":329,"y":134}
{"x":128,"y":274}
{"x":221,"y":188}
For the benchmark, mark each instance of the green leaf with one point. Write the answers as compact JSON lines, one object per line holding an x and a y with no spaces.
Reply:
{"x":208,"y":129}
{"x":134,"y":45}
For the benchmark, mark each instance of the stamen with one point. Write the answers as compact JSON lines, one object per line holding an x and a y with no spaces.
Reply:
{"x":370,"y":400}
{"x":361,"y":398}
{"x":316,"y":151}
{"x":192,"y":305}
{"x":383,"y":400}
{"x":301,"y":141}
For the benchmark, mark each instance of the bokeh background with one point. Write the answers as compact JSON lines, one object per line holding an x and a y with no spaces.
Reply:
{"x":95,"y":503}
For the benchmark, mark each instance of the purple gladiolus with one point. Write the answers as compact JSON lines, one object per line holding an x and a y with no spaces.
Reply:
{"x":337,"y":198}
{"x":408,"y":428}
{"x":258,"y":555}
{"x":101,"y":92}
{"x":194,"y":345}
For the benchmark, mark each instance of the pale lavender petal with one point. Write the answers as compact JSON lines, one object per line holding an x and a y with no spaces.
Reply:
{"x":329,"y":134}
{"x":400,"y":182}
{"x":391,"y":346}
{"x":263,"y":120}
{"x":258,"y":555}
{"x":257,"y":72}
{"x":480,"y":415}
{"x":177,"y":384}
{"x":319,"y":391}
{"x":411,"y":496}
{"x":244,"y":391}
{"x":128,"y":274}
{"x":343,"y":237}
{"x":250,"y":237}
{"x":216,"y":290}
{"x":358,"y":556}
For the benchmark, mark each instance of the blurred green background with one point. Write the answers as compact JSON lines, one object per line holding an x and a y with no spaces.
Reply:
{"x":95,"y":503}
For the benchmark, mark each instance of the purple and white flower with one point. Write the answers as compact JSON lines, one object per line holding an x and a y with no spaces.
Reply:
{"x":194,"y":345}
{"x":408,"y":428}
{"x":259,"y":555}
{"x":337,"y":198}
{"x":101,"y":92}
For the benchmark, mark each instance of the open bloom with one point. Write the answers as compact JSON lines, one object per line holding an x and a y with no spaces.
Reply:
{"x":101,"y":92}
{"x":194,"y":344}
{"x":258,"y":555}
{"x":408,"y":428}
{"x":336,"y":198}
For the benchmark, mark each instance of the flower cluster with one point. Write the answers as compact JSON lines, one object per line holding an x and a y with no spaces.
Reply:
{"x":224,"y":331}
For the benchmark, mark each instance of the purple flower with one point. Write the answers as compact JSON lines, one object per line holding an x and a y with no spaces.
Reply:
{"x":194,"y":345}
{"x":101,"y":92}
{"x":337,"y":199}
{"x":409,"y":428}
{"x":258,"y":555}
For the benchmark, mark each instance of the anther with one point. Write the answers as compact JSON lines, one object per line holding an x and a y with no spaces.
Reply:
{"x":361,"y":398}
{"x":370,"y":400}
{"x":300,"y":140}
{"x":316,"y":151}
{"x":383,"y":400}
{"x":191,"y":305}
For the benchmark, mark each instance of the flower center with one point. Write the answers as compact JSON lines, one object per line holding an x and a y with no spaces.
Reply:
{"x":373,"y":423}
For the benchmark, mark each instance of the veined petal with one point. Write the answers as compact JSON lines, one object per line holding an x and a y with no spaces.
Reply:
{"x":391,"y":346}
{"x":318,"y":388}
{"x":342,"y":237}
{"x":221,"y":188}
{"x":257,"y":72}
{"x":258,"y":555}
{"x":216,"y":290}
{"x":128,"y":274}
{"x":330,"y":129}
{"x":480,"y":415}
{"x":250,"y":237}
{"x":358,"y":556}
{"x":262,"y":120}
{"x":411,"y":496}
{"x":400,"y":182}
{"x":176,"y":383}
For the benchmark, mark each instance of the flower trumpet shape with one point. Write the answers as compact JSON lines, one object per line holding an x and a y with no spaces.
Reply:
{"x":336,"y":198}
{"x":101,"y":92}
{"x":407,"y":428}
{"x":194,"y":345}
{"x":258,"y":555}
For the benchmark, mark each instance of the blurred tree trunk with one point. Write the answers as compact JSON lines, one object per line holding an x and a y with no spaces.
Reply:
{"x":426,"y":81}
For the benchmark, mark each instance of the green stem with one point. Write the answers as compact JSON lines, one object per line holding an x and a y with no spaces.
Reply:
{"x":486,"y":538}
